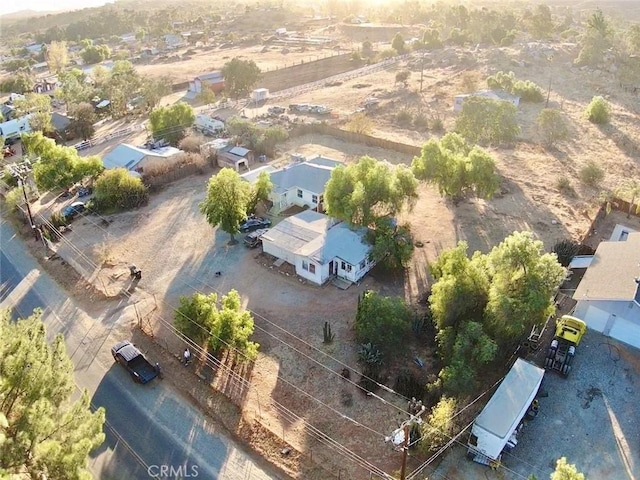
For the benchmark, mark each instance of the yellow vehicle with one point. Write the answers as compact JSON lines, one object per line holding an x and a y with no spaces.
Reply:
{"x":569,"y":332}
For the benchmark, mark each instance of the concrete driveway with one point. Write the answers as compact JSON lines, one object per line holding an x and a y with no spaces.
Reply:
{"x":591,"y":418}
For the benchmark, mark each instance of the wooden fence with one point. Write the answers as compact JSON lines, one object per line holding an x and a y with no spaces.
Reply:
{"x":322,"y":129}
{"x":179,"y":173}
{"x":98,"y":140}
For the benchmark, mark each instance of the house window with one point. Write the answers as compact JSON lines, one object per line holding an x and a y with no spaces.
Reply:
{"x":343,"y":266}
{"x":305,"y":265}
{"x":348,"y":268}
{"x":299,"y":193}
{"x":314,"y":198}
{"x":312,"y":268}
{"x":322,"y":198}
{"x":363,"y":263}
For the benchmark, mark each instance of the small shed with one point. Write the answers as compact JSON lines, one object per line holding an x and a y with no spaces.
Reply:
{"x":235,"y":157}
{"x":211,"y":80}
{"x":260,"y":94}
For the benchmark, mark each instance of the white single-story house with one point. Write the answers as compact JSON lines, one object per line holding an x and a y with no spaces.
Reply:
{"x":16,"y":127}
{"x":211,"y":80}
{"x":301,"y":184}
{"x":458,"y":100}
{"x":319,"y":248}
{"x":136,"y":159}
{"x":608,"y":296}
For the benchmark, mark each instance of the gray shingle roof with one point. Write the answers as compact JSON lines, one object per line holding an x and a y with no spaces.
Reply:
{"x":307,"y":176}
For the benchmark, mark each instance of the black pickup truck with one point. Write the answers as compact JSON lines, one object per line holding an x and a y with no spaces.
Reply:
{"x":127,"y":355}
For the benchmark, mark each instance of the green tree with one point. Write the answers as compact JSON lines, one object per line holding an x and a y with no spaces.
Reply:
{"x":598,"y":111}
{"x":83,"y":118}
{"x":541,"y":22}
{"x":240,"y":76}
{"x":153,"y":89}
{"x":596,"y":40}
{"x":439,"y":425}
{"x":431,"y":39}
{"x":398,"y":44}
{"x":598,"y":22}
{"x":121,"y":85}
{"x":488,"y":121}
{"x":206,"y":96}
{"x":260,"y":191}
{"x":392,"y":244}
{"x":363,"y":192}
{"x":461,"y":288}
{"x":117,"y":189}
{"x":57,"y":57}
{"x":456,"y":168}
{"x":74,"y":88}
{"x":566,"y":471}
{"x":57,"y":166}
{"x":171,"y":123}
{"x":382,"y":321}
{"x":45,"y":434}
{"x":403,"y":77}
{"x":552,"y":126}
{"x":471,"y":348}
{"x":234,"y":328}
{"x":226,"y":202}
{"x":196,"y":315}
{"x":20,"y":82}
{"x":95,"y":53}
{"x":38,"y":106}
{"x":522,"y":280}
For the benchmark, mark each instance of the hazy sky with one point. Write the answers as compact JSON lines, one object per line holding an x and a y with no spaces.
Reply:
{"x":8,"y":6}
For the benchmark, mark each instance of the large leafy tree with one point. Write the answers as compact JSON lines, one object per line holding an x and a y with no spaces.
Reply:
{"x":170,"y":123}
{"x":83,"y":120}
{"x":226,"y":202}
{"x":57,"y":166}
{"x":456,"y":168}
{"x":522,"y":281}
{"x":225,"y":326}
{"x":120,"y":86}
{"x":39,"y":107}
{"x":117,"y":189}
{"x":95,"y":53}
{"x":392,"y":244}
{"x":74,"y":88}
{"x":260,"y":191}
{"x":487,"y":121}
{"x":240,"y":76}
{"x":382,"y":321}
{"x":44,"y":434}
{"x":363,"y":192}
{"x":57,"y":57}
{"x":153,"y":89}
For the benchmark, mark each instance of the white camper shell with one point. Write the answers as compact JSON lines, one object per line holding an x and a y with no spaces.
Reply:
{"x":497,"y":423}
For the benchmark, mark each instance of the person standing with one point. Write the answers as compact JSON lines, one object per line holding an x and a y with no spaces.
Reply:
{"x":186,"y":356}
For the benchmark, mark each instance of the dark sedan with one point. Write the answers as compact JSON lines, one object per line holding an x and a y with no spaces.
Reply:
{"x":71,"y":211}
{"x":254,"y":223}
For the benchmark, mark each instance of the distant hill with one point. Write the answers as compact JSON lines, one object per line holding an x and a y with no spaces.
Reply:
{"x":24,"y":14}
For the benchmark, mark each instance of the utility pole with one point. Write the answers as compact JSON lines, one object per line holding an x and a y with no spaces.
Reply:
{"x":421,"y":72}
{"x":400,"y":437}
{"x":21,"y":171}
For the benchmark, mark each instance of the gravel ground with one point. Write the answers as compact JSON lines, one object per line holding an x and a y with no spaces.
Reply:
{"x":590,"y":418}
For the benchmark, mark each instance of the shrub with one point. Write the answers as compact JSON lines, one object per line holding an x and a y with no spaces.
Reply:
{"x":13,"y":198}
{"x":552,"y":126}
{"x":591,"y":174}
{"x":420,"y":121}
{"x":191,"y":143}
{"x":528,"y":91}
{"x":356,"y":57}
{"x":359,"y":123}
{"x":404,"y":118}
{"x":388,"y":53}
{"x":598,"y":111}
{"x":437,"y":125}
{"x":117,"y":189}
{"x":563,"y":184}
{"x":438,"y":428}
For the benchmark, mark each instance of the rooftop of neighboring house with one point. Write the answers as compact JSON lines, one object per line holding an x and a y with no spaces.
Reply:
{"x":217,"y":75}
{"x":60,"y":122}
{"x":311,"y":175}
{"x":128,"y":156}
{"x":614,"y":272}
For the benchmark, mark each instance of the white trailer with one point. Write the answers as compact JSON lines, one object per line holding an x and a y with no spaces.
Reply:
{"x":207,"y":124}
{"x":260,"y":94}
{"x":16,"y":127}
{"x":497,"y":424}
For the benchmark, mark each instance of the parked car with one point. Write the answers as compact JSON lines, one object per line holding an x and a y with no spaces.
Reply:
{"x":72,"y":211}
{"x":84,"y":191}
{"x":255,"y":238}
{"x":127,"y":355}
{"x":254,"y":223}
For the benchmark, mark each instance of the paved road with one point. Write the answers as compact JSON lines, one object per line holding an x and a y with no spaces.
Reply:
{"x":152,"y":431}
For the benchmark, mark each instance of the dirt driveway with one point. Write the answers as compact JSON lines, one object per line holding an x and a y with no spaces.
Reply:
{"x":590,"y":418}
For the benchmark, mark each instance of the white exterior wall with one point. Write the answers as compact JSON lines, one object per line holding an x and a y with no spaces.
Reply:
{"x":272,"y":249}
{"x":290,"y":197}
{"x":615,"y":319}
{"x":321,"y":271}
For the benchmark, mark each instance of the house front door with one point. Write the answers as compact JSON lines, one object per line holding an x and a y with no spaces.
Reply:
{"x":333,"y":268}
